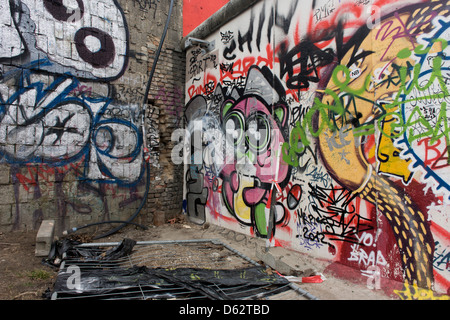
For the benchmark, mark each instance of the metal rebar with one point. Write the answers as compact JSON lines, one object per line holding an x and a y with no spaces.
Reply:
{"x":238,"y":253}
{"x":143,"y":257}
{"x":302,"y":292}
{"x":111,"y":244}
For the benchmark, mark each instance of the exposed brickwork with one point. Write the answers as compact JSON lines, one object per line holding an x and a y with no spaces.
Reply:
{"x":166,"y":100}
{"x":72,"y":86}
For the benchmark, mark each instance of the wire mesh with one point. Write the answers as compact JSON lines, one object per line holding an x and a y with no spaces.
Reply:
{"x":139,"y":275}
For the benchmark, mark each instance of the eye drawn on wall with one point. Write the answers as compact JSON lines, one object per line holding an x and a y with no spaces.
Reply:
{"x":65,"y":44}
{"x":58,"y":115}
{"x":11,"y":42}
{"x":245,"y":114}
{"x":88,"y":39}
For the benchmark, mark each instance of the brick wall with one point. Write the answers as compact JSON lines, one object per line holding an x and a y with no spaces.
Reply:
{"x":72,"y":83}
{"x":166,"y":102}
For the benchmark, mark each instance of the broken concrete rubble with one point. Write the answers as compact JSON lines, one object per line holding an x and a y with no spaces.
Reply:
{"x":274,"y":259}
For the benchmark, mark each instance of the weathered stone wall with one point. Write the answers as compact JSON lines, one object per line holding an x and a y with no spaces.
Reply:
{"x":72,"y":81}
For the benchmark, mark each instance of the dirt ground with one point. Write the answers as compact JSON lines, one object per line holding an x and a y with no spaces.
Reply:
{"x":24,"y":277}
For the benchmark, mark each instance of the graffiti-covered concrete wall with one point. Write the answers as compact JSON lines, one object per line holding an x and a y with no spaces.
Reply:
{"x":72,"y":81}
{"x":322,"y":126}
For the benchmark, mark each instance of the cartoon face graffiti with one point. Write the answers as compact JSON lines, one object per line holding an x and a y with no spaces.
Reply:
{"x":255,"y":127}
{"x":62,"y":46}
{"x":74,"y":35}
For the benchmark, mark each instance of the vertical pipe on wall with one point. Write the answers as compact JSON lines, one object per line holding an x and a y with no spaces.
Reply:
{"x":146,"y":150}
{"x":144,"y":104}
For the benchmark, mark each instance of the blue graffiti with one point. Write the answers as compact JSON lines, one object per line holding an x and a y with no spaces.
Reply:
{"x":41,"y":122}
{"x":424,"y":59}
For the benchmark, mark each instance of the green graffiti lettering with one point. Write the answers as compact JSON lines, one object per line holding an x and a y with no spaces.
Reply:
{"x":407,"y":79}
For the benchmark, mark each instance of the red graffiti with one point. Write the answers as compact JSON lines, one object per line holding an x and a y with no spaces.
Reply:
{"x":436,"y":155}
{"x":46,"y":173}
{"x":82,"y":90}
{"x":317,"y":30}
{"x":239,"y":68}
{"x":206,"y":89}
